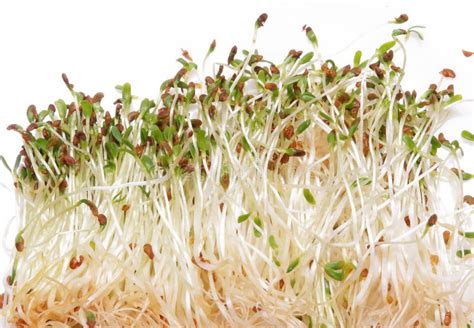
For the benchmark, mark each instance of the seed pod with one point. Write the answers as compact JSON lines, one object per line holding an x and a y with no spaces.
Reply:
{"x":148,"y":249}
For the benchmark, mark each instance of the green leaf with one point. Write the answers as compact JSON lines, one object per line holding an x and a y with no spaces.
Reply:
{"x":409,"y":142}
{"x":435,"y":145}
{"x":293,"y":264}
{"x":398,"y":32}
{"x":311,"y":36}
{"x":272,"y":242}
{"x":42,"y":144}
{"x":303,"y":126}
{"x":243,"y":218}
{"x":246,"y":145}
{"x":147,"y":162}
{"x":386,"y":46}
{"x":357,"y":57}
{"x":467,"y":234}
{"x":306,"y":58}
{"x":86,"y":108}
{"x":338,"y":270}
{"x":146,"y":105}
{"x":276,"y":261}
{"x":112,"y":150}
{"x":467,"y":135}
{"x":309,"y":196}
{"x":258,"y":222}
{"x":202,"y":140}
{"x":61,"y":107}
{"x":453,"y":99}
{"x":331,"y":138}
{"x":116,"y":134}
{"x":127,"y":95}
{"x":157,"y":135}
{"x":353,"y":129}
{"x":463,"y":252}
{"x":90,"y":316}
{"x":307,"y":96}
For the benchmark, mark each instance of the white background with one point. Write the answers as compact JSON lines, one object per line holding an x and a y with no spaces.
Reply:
{"x":100,"y":44}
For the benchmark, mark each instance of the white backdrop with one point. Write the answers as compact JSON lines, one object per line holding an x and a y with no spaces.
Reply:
{"x":100,"y":44}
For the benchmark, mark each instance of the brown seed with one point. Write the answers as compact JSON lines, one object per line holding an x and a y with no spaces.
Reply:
{"x":271,"y":165}
{"x":66,"y":81}
{"x":389,"y":299}
{"x":2,"y":299}
{"x":446,"y":236}
{"x":139,"y":150}
{"x":289,"y":131}
{"x":274,"y":69}
{"x":125,"y":208}
{"x":407,"y":220}
{"x":213,"y":45}
{"x":186,"y":55}
{"x":432,"y":220}
{"x":209,"y":80}
{"x":63,"y":185}
{"x":225,"y":181}
{"x":364,"y":273}
{"x":356,"y":71}
{"x":388,"y":56}
{"x":468,"y":199}
{"x":446,"y":72}
{"x":132,"y":116}
{"x":32,"y":126}
{"x":434,"y":259}
{"x":299,"y":153}
{"x":102,"y":219}
{"x":148,"y":249}
{"x":441,"y":138}
{"x":285,"y":159}
{"x":270,"y":86}
{"x":447,"y":318}
{"x":372,"y":96}
{"x":233,"y":52}
{"x":402,"y":18}
{"x":261,"y":20}
{"x":196,"y":123}
{"x":67,"y":160}
{"x":395,"y":68}
{"x":365,"y":144}
{"x":467,"y":53}
{"x":20,"y":244}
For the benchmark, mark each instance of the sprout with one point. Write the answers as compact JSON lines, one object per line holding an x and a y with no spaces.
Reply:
{"x":266,"y":194}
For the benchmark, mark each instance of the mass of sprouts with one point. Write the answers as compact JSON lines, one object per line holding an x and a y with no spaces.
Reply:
{"x":299,"y":194}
